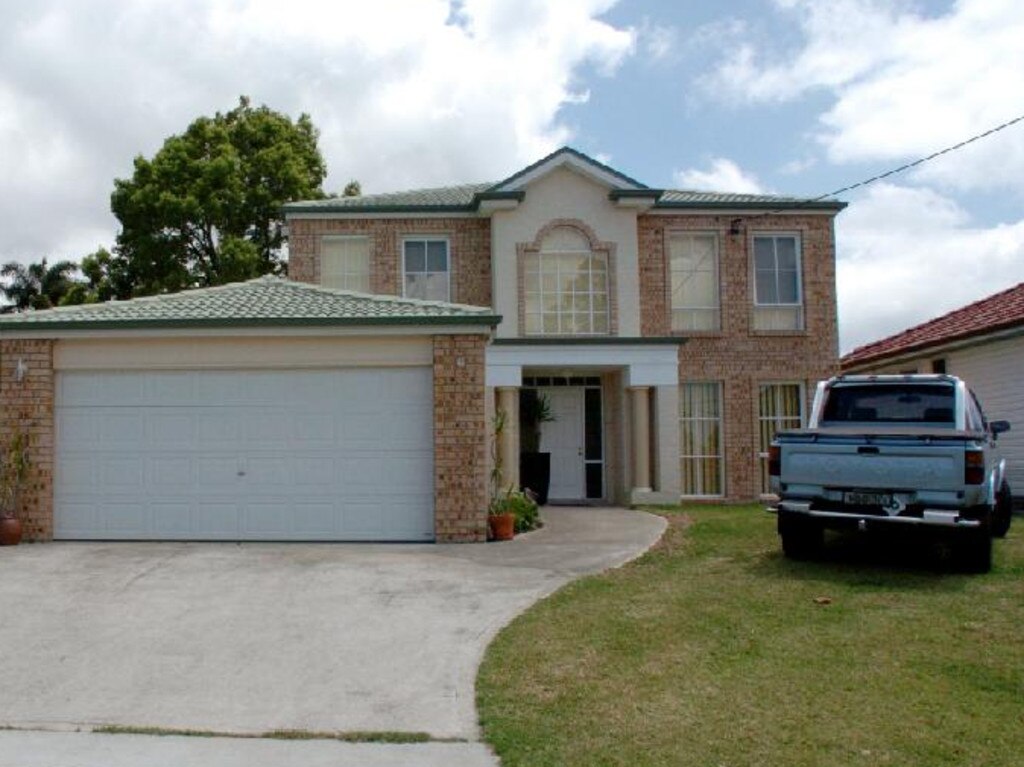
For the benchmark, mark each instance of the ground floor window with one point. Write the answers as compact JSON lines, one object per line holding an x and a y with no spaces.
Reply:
{"x":700,"y":439}
{"x":780,"y":407}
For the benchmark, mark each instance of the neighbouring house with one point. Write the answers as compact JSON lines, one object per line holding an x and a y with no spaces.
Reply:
{"x":670,"y":332}
{"x":983,"y":343}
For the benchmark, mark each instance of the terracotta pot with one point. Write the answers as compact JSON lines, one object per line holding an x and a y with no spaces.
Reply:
{"x":10,"y":531}
{"x":503,"y":526}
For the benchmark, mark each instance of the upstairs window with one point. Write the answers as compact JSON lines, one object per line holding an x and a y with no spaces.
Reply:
{"x":345,"y":263}
{"x":425,"y":266}
{"x":778,"y":299}
{"x":565,"y":287}
{"x":693,"y":270}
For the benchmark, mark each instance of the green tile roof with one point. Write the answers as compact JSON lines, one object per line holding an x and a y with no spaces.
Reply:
{"x":263,"y":302}
{"x":442,"y":198}
{"x":465,"y":198}
{"x":684,"y":198}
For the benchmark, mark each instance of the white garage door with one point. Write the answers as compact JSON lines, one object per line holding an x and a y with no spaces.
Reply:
{"x":324,"y":455}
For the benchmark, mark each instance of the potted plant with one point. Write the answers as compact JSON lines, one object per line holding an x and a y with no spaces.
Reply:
{"x":534,"y":466}
{"x":500,"y":520}
{"x":14,"y":465}
{"x":511,"y":512}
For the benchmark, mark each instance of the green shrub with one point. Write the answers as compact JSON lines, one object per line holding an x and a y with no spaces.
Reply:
{"x":521,"y":505}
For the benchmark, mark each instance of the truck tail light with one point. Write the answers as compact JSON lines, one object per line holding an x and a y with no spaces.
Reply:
{"x":774,"y":461}
{"x":974,"y":467}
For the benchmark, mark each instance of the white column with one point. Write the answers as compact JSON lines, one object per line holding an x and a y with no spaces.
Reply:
{"x":508,"y":445}
{"x":640,"y":411}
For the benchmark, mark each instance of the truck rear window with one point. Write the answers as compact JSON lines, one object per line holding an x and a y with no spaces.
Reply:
{"x":931,"y":404}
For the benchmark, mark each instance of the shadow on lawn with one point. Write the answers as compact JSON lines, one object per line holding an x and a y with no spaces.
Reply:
{"x":879,"y":561}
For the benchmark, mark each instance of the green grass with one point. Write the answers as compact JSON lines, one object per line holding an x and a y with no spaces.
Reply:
{"x":714,"y":650}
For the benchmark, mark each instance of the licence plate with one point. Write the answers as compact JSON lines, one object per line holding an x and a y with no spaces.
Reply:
{"x":868,"y":499}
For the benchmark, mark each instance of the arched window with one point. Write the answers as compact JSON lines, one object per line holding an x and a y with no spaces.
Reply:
{"x":565,"y":286}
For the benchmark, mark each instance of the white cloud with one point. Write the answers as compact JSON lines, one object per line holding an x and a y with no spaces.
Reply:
{"x":909,"y":254}
{"x":659,"y":42}
{"x":904,"y":84}
{"x":723,"y":175}
{"x":405,"y":92}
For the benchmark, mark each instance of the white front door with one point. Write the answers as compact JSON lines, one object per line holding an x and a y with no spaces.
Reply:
{"x":563,"y":438}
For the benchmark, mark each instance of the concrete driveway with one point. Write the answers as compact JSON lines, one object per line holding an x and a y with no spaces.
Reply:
{"x":247,"y":638}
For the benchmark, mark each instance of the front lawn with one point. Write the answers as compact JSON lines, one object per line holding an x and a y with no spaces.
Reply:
{"x":714,"y":650}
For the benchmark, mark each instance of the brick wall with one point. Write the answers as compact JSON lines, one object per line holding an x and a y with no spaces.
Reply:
{"x":28,"y":406}
{"x":469,"y":250}
{"x":460,"y":439}
{"x":738,"y":357}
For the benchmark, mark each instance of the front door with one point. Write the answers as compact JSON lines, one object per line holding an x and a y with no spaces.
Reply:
{"x":563,"y":438}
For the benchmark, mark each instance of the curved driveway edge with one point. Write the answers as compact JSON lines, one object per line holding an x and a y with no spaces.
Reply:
{"x":255,"y":637}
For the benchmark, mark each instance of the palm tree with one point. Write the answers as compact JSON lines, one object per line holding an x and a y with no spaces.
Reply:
{"x":37,"y":286}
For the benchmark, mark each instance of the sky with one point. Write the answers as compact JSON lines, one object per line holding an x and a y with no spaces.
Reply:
{"x":792,"y":97}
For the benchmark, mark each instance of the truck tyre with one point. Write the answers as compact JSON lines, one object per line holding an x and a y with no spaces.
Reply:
{"x":974,"y":551}
{"x":1002,"y":515}
{"x":801,"y":539}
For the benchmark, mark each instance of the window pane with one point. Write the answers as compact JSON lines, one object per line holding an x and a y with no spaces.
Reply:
{"x":778,"y":318}
{"x":415,"y":286}
{"x":787,"y":287}
{"x":700,"y":439}
{"x":415,"y":256}
{"x":764,"y":253}
{"x":785,"y":250}
{"x":767,"y":292}
{"x":437,"y":256}
{"x":437,"y":286}
{"x":780,"y":407}
{"x":345,"y":263}
{"x":360,"y":282}
{"x":571,"y":292}
{"x":694,"y":281}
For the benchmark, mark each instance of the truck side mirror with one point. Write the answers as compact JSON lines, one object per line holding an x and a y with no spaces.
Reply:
{"x":998,"y":427}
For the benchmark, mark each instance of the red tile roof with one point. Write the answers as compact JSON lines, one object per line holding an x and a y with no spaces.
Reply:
{"x":997,"y":312}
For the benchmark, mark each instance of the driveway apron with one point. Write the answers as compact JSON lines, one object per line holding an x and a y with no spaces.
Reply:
{"x":249,"y":638}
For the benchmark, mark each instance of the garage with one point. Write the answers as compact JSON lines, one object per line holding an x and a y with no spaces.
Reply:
{"x":266,"y":410}
{"x":314,"y":455}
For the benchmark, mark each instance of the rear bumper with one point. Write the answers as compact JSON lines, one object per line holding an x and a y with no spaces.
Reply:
{"x":937,"y":518}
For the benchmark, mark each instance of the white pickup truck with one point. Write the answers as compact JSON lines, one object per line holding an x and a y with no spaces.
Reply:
{"x":886,"y":452}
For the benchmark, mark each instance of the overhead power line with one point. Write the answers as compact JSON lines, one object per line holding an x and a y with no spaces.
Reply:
{"x":905,"y":167}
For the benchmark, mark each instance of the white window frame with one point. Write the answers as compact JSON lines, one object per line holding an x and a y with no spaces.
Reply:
{"x":342,"y":237}
{"x":717,"y":308}
{"x":799,"y":304}
{"x":607,"y":312}
{"x":425,"y":238}
{"x":762,"y":455}
{"x":719,"y":390}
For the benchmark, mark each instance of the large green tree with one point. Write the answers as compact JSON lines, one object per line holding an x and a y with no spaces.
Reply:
{"x":39,"y":285}
{"x":205,"y":209}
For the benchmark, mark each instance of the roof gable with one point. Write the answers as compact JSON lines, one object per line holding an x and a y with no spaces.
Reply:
{"x":567,"y":157}
{"x":1000,"y":311}
{"x":263,"y":302}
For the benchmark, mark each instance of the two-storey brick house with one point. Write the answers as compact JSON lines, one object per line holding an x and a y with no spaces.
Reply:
{"x":670,"y":332}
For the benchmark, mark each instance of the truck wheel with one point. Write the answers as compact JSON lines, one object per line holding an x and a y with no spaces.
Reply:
{"x":1002,"y":515}
{"x":800,"y":539}
{"x":974,"y":551}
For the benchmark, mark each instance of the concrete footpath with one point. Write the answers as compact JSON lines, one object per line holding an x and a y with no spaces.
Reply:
{"x":82,"y":749}
{"x":250,"y":638}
